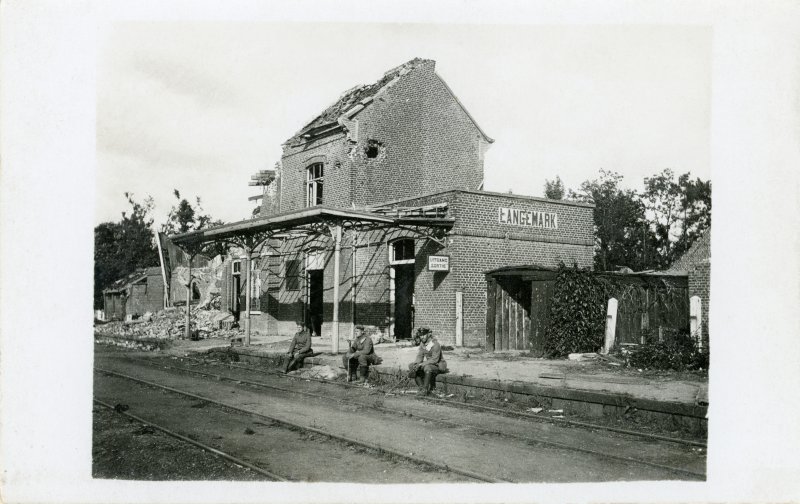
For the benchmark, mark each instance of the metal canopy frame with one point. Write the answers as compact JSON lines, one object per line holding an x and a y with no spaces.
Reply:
{"x":315,"y":221}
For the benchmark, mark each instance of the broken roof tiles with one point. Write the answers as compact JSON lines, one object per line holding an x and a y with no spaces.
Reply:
{"x":355,"y":99}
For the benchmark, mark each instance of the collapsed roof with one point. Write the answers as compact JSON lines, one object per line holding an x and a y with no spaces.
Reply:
{"x":355,"y":99}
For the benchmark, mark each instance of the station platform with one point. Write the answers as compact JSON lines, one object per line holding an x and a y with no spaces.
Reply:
{"x":593,"y":387}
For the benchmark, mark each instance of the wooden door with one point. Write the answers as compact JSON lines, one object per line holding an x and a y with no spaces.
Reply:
{"x":541,"y":292}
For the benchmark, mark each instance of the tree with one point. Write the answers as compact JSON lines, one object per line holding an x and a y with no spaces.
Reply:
{"x":554,"y":189}
{"x":678,"y":210}
{"x":185,"y":217}
{"x":120,"y":248}
{"x":696,"y":207}
{"x":622,"y":236}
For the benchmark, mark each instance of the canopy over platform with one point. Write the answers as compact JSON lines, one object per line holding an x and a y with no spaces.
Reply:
{"x":307,"y":219}
{"x":430,"y":222}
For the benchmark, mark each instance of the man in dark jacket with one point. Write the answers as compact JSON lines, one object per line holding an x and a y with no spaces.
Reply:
{"x":360,"y":356}
{"x":429,"y":362}
{"x":300,"y":348}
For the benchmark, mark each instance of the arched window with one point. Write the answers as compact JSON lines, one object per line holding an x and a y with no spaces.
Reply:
{"x":314,"y":175}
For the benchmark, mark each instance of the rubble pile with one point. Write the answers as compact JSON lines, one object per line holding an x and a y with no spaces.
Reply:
{"x":170,"y":325}
{"x":321,"y":372}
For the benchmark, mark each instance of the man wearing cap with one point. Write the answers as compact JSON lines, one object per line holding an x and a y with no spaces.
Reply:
{"x":429,"y":362}
{"x":359,"y":356}
{"x":300,"y":347}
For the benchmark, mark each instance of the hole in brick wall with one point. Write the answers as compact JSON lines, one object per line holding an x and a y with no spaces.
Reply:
{"x":373,"y":148}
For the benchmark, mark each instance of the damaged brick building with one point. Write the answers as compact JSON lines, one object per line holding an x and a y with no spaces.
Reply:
{"x":402,"y":162}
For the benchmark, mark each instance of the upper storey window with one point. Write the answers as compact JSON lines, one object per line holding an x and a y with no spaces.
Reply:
{"x":314,"y":177}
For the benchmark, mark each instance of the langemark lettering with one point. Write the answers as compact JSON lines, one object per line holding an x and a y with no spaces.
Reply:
{"x":532,"y":218}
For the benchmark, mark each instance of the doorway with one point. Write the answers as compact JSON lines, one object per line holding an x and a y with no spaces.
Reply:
{"x":403,"y":300}
{"x":315,"y":301}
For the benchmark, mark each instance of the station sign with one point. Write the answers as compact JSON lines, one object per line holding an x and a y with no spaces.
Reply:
{"x":438,"y":263}
{"x":527,"y":218}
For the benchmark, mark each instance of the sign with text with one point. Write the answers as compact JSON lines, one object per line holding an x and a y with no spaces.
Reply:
{"x":438,"y":263}
{"x":529,"y":218}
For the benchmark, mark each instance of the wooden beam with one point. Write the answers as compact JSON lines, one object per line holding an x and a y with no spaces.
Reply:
{"x":491,"y":304}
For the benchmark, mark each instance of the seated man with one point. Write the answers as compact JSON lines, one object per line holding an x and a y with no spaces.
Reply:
{"x":299,"y":348}
{"x":429,"y":362}
{"x":361,"y":354}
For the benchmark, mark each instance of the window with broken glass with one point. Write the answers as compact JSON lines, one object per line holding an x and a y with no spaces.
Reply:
{"x":314,"y":175}
{"x":402,"y":252}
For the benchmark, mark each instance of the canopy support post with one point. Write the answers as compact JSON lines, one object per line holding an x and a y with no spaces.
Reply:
{"x":249,"y":288}
{"x":337,"y":237}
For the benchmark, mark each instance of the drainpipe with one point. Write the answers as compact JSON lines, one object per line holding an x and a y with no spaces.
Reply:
{"x":247,"y":298}
{"x":337,"y":237}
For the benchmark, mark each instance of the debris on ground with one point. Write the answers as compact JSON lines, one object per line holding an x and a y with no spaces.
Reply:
{"x":552,"y":376}
{"x":169,"y":324}
{"x":582,"y":356}
{"x":555,"y":411}
{"x":535,"y":410}
{"x":610,"y":359}
{"x":320,"y":372}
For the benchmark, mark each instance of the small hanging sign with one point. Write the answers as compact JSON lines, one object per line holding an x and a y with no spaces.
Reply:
{"x":438,"y":263}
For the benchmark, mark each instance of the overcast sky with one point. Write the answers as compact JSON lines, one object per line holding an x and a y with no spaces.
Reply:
{"x":200,"y":107}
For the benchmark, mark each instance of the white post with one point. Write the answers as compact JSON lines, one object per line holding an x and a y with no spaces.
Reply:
{"x":337,"y":237}
{"x":459,"y":318}
{"x":695,"y":318}
{"x":611,"y":325}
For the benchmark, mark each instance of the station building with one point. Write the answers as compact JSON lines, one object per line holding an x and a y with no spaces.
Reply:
{"x":376,"y":215}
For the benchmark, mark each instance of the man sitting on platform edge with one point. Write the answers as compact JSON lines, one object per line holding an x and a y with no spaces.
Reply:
{"x":300,"y":347}
{"x":429,"y":362}
{"x":361,"y":354}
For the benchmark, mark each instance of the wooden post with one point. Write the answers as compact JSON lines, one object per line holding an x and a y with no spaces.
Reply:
{"x":249,"y":289}
{"x":459,"y":318}
{"x":611,"y":325}
{"x":187,"y":333}
{"x":491,"y":308}
{"x":695,"y":318}
{"x":498,"y":317}
{"x":337,"y":237}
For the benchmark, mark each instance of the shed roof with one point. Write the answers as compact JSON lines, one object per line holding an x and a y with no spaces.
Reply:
{"x":135,"y":277}
{"x":698,"y":253}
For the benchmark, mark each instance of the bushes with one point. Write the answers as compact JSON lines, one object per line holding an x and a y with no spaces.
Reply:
{"x":678,"y":352}
{"x":577,"y":313}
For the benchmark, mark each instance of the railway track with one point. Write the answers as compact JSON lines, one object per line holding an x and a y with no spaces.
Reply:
{"x":375,"y":450}
{"x":480,"y":407}
{"x":605,"y":451}
{"x":227,"y":456}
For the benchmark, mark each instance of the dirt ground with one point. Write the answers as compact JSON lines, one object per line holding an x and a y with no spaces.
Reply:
{"x":461,"y":445}
{"x":123,"y":448}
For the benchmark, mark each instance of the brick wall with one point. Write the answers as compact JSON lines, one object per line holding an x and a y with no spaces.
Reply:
{"x":700,"y":285}
{"x":146,"y":296}
{"x":426,"y":142}
{"x":478,"y":243}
